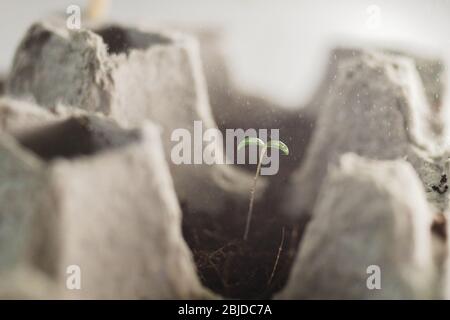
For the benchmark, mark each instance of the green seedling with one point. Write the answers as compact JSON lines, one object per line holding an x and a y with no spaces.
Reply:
{"x":264,"y":147}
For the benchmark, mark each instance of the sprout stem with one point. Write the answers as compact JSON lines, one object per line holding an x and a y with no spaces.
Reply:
{"x":252,"y":193}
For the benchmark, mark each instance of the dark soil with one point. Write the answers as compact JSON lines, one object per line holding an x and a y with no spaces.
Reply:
{"x":259,"y":267}
{"x":240,"y":269}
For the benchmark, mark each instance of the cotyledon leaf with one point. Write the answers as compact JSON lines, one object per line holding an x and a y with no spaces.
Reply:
{"x":278,"y":145}
{"x":250,"y":141}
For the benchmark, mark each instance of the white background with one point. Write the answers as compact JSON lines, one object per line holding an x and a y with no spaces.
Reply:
{"x":277,"y":48}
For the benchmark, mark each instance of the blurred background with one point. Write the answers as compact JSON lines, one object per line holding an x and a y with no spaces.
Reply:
{"x":276,"y":49}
